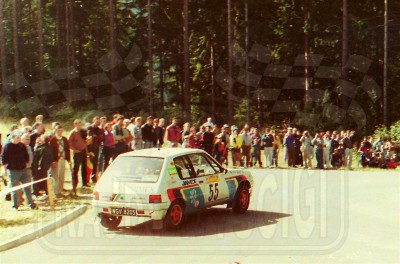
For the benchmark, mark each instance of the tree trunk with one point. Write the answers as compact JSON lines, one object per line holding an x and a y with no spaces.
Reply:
{"x":186,"y":60}
{"x":40,"y":42}
{"x":59,"y":34}
{"x":248,"y":92}
{"x":150,"y":55}
{"x":68,"y":41}
{"x":161,"y":72}
{"x":345,"y":46}
{"x":71,"y":38}
{"x":385,"y":67}
{"x":230,"y":62}
{"x":212,"y":73}
{"x":2,"y":50}
{"x":306,"y":49}
{"x":17,"y":66}
{"x":111,"y":6}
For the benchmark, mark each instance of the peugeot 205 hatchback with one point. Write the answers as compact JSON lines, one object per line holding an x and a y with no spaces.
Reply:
{"x":165,"y":184}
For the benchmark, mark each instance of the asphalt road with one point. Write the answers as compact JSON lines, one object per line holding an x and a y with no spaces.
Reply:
{"x":295,"y":216}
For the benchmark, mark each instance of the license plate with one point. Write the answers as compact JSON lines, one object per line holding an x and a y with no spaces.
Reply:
{"x":123,"y":211}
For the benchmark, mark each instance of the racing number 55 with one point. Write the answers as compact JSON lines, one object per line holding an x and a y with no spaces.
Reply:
{"x":214,"y":191}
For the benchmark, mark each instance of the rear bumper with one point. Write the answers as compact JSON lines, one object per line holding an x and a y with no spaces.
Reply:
{"x":152,"y":211}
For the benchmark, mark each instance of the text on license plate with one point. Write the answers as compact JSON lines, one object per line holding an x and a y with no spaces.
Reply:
{"x":123,"y":211}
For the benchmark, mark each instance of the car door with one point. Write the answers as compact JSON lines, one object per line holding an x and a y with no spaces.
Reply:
{"x":208,"y":177}
{"x":190,"y":189}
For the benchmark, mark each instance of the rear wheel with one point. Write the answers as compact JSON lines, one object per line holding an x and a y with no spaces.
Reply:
{"x":110,"y":221}
{"x":242,"y":200}
{"x":175,"y":216}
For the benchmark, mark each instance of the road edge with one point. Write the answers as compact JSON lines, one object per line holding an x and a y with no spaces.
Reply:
{"x":45,"y":229}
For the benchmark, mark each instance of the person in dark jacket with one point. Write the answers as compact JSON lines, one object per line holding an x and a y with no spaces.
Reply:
{"x":42,"y":159}
{"x":15,"y":159}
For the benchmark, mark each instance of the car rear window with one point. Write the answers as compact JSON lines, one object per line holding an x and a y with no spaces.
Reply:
{"x":137,"y":169}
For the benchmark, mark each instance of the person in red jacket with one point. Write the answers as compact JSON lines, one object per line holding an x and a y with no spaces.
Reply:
{"x":173,"y":134}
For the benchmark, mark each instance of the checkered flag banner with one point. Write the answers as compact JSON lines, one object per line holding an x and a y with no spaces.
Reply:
{"x":278,"y":85}
{"x":113,"y":87}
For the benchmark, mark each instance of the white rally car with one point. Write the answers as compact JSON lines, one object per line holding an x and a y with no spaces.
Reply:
{"x":166,"y":184}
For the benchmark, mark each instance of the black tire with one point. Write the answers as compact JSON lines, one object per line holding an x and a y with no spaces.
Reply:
{"x":242,"y":200}
{"x":110,"y":221}
{"x":175,"y":216}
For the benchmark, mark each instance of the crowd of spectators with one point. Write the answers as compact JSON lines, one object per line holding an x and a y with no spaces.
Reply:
{"x":31,"y":153}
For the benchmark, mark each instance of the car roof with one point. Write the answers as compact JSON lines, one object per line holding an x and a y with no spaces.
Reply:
{"x":162,"y":152}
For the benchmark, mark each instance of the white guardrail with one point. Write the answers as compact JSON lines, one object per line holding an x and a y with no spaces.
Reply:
{"x":50,"y":182}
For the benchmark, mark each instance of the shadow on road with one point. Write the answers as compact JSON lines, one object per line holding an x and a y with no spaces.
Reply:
{"x":210,"y":222}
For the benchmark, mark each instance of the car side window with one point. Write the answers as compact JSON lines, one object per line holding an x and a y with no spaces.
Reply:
{"x":202,"y":165}
{"x":183,"y":168}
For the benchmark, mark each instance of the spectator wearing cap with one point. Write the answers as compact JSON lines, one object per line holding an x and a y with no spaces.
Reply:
{"x":97,"y":135}
{"x":15,"y":159}
{"x":128,"y":137}
{"x":173,"y":133}
{"x":148,"y":135}
{"x":235,"y":142}
{"x":61,"y":154}
{"x":77,"y":143}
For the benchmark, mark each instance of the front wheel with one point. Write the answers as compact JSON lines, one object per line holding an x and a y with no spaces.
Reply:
{"x":242,"y":200}
{"x":110,"y":221}
{"x":175,"y":216}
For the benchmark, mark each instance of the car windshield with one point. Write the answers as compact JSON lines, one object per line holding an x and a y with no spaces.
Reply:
{"x":138,"y":169}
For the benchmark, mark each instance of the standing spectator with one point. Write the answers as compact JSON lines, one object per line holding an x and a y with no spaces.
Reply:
{"x":318,"y":144}
{"x":225,"y":138}
{"x":193,"y":137}
{"x":24,"y":122}
{"x":267,"y":143}
{"x":326,"y":159}
{"x":128,"y":137}
{"x":185,"y":130}
{"x":219,"y":150}
{"x":38,"y":130}
{"x":306,"y":148}
{"x":97,"y":135}
{"x":136,"y":131}
{"x":256,"y":147}
{"x":108,"y":145}
{"x":173,"y":134}
{"x":148,"y":134}
{"x":119,"y":138}
{"x":186,"y":142}
{"x":337,"y":161}
{"x":15,"y":159}
{"x":290,"y":143}
{"x":61,"y":154}
{"x":235,"y":142}
{"x":208,"y":140}
{"x":276,"y":147}
{"x":42,"y":160}
{"x":159,"y":131}
{"x":348,"y":149}
{"x":100,"y":167}
{"x":209,"y":122}
{"x":77,"y":143}
{"x":298,"y":155}
{"x":246,"y":147}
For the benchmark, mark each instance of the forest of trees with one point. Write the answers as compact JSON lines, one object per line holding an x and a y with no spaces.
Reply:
{"x":316,"y":63}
